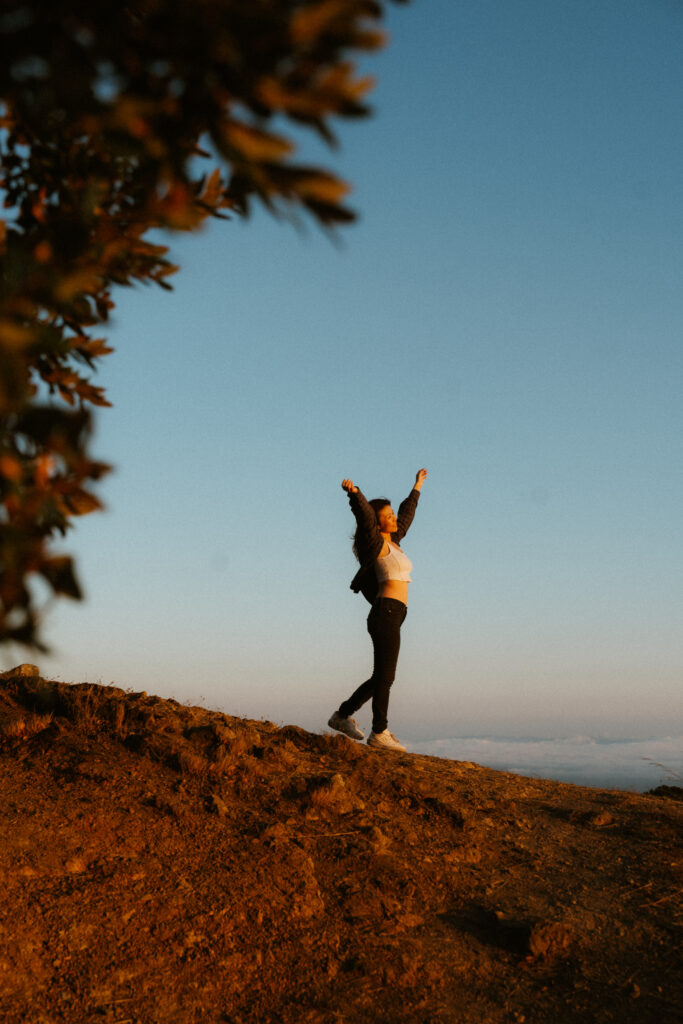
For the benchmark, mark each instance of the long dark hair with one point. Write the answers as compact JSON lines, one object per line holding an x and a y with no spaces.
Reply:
{"x":377,"y":504}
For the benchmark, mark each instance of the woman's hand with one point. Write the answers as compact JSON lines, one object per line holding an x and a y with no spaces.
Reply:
{"x":420,"y":479}
{"x":350,"y":487}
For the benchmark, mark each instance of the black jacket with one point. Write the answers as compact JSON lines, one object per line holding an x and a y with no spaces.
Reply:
{"x":370,"y":539}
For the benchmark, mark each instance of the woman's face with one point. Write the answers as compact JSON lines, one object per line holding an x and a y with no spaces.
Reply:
{"x":387,"y":520}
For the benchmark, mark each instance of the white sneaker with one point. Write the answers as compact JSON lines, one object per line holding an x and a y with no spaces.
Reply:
{"x":346,"y":725}
{"x":385,"y":739}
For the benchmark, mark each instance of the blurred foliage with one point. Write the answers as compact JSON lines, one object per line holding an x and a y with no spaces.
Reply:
{"x":107,"y":111}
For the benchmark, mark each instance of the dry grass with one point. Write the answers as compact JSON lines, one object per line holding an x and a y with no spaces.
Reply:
{"x":22,"y":725}
{"x":333,"y":794}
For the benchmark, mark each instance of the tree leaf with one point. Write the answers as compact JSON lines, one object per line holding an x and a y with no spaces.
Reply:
{"x":60,"y":574}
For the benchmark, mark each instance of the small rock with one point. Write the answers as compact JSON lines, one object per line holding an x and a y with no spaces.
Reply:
{"x":75,"y":865}
{"x":601,"y":819}
{"x":275,"y":832}
{"x":378,"y":841}
{"x":549,"y":938}
{"x":410,"y":920}
{"x":218,"y":806}
{"x":21,"y":670}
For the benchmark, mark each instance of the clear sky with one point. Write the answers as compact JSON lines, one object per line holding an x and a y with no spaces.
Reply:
{"x":508,"y":313}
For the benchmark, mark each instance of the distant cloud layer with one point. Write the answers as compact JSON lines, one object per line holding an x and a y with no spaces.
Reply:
{"x":588,"y":761}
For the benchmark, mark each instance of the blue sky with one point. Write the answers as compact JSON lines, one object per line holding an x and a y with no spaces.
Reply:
{"x":507,"y":312}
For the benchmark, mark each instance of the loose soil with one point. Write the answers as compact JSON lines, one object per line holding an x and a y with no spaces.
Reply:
{"x":166,"y":864}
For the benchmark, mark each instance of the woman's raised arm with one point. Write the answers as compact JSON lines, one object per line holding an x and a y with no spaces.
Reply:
{"x":420,"y":479}
{"x":406,"y":510}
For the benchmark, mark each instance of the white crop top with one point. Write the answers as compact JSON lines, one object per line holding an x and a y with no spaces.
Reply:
{"x":394,"y":566}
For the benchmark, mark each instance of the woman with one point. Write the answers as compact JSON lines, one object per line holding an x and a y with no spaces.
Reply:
{"x":383,"y":579}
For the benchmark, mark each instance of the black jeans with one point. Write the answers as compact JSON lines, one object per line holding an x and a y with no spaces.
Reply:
{"x":384,"y":626}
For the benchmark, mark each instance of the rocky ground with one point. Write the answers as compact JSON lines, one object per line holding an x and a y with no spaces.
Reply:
{"x":165,"y":864}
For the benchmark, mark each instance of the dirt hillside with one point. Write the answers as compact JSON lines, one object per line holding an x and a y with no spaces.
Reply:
{"x":165,"y":864}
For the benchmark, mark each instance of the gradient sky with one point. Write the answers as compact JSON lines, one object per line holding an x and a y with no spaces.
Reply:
{"x":508,"y":313}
